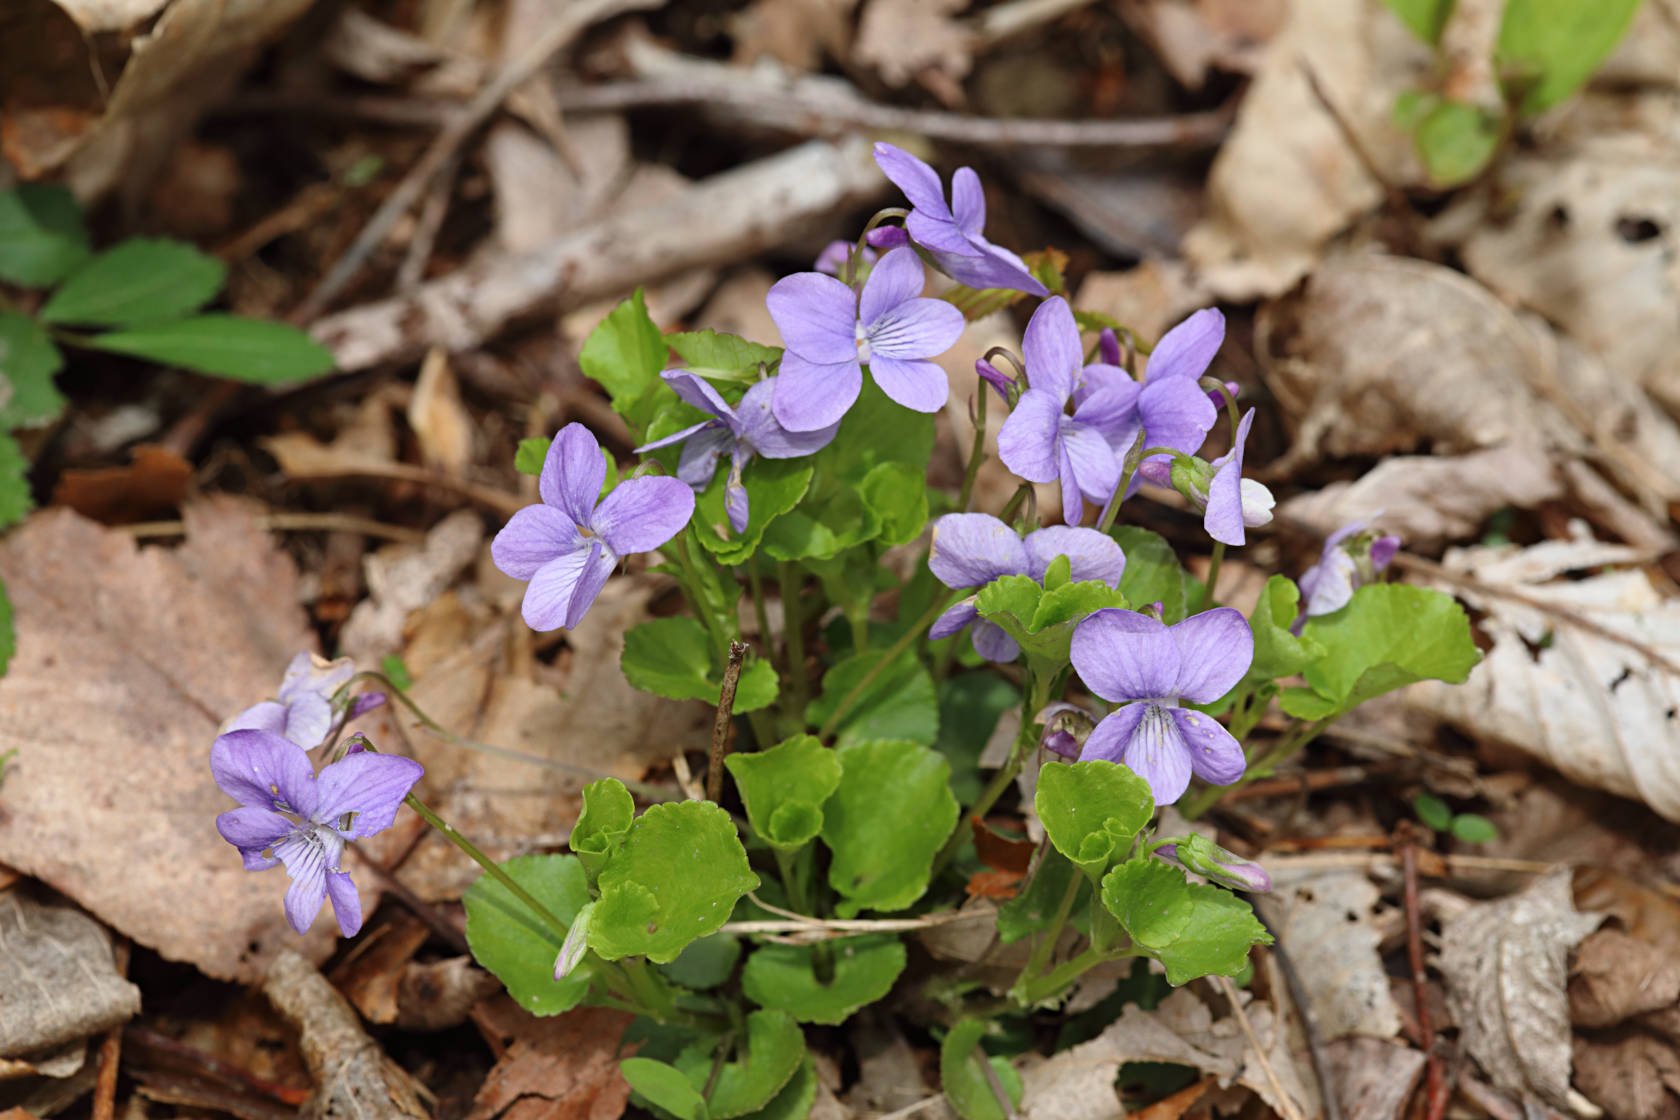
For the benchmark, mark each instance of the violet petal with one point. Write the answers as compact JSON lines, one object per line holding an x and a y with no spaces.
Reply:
{"x":1124,"y":655}
{"x":915,"y":383}
{"x":532,"y":538}
{"x":897,"y":278}
{"x":259,"y":768}
{"x":1051,"y":349}
{"x":973,"y":549}
{"x":1188,"y":349}
{"x":816,"y":315}
{"x":572,"y":473}
{"x":809,"y":397}
{"x":1092,"y":555}
{"x":992,"y":643}
{"x":347,"y":907}
{"x":1027,"y":440}
{"x":1215,"y":649}
{"x":1215,"y":756}
{"x":643,"y":513}
{"x":370,"y":785}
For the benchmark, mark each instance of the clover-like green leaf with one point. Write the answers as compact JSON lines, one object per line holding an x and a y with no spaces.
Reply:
{"x":964,"y":1080}
{"x":608,"y":811}
{"x":900,"y":703}
{"x":1277,"y":652}
{"x":518,"y":946}
{"x":774,"y":1051}
{"x":1193,"y":929}
{"x":784,"y":789}
{"x":774,"y":486}
{"x":1042,"y":622}
{"x":143,"y":279}
{"x":675,"y":877}
{"x":720,"y":356}
{"x":1091,"y":810}
{"x":1456,"y":140}
{"x":784,"y":977}
{"x":1153,"y":573}
{"x":706,"y":963}
{"x":1388,"y":636}
{"x":625,"y":354}
{"x":255,"y":351}
{"x":28,"y":361}
{"x":885,"y":822}
{"x":42,"y":238}
{"x":665,"y":1086}
{"x":672,"y":657}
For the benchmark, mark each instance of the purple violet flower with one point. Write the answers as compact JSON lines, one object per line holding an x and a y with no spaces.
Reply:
{"x":1066,"y":727}
{"x":287,"y":814}
{"x":996,"y":378}
{"x":1132,"y":659}
{"x":567,"y":545}
{"x":973,"y":549}
{"x":831,"y":333}
{"x":1228,"y":502}
{"x":835,"y":254}
{"x":951,"y":232}
{"x":1352,"y":557}
{"x":744,"y":431}
{"x":303,"y":712}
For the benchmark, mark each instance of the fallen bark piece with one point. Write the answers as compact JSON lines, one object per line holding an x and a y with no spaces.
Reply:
{"x":721,"y":220}
{"x":354,"y":1079}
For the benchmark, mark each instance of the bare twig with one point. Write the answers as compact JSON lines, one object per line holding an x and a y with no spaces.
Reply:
{"x":724,"y":724}
{"x":1285,"y":1103}
{"x":570,"y":21}
{"x":910,"y":1110}
{"x":1303,"y":1011}
{"x":718,"y":221}
{"x":432,"y":213}
{"x":212,"y":1067}
{"x":291,"y":522}
{"x":1434,"y":1088}
{"x":110,"y":1051}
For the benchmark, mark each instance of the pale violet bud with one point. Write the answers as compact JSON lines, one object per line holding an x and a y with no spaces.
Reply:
{"x":1353,"y":556}
{"x":1066,"y":727}
{"x":1199,"y":854}
{"x":576,"y":943}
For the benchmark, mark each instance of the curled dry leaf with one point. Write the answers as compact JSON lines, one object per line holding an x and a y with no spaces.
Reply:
{"x":1373,"y":1080}
{"x":1325,"y":920}
{"x":560,"y":1068}
{"x":900,"y":38}
{"x":60,"y":981}
{"x":1583,"y":673}
{"x":1505,"y":967}
{"x":405,"y":577}
{"x":1634,"y":1074}
{"x":128,"y":660}
{"x":1617,"y":976}
{"x":1078,"y":1083}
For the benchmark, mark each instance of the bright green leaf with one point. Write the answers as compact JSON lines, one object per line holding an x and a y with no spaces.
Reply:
{"x":394,"y":667}
{"x":796,"y":1097}
{"x":774,"y":486}
{"x":706,"y":963}
{"x":798,"y":772}
{"x":1426,"y":18}
{"x":1277,"y":652}
{"x":886,"y":821}
{"x":608,"y":810}
{"x":897,"y":494}
{"x":1059,"y":574}
{"x":900,"y":703}
{"x":529,"y":458}
{"x":1472,"y":828}
{"x":672,"y":657}
{"x":231,"y":346}
{"x":1456,"y":141}
{"x":1152,"y":900}
{"x":28,"y":361}
{"x":625,"y":354}
{"x":964,"y":1080}
{"x":1194,"y":930}
{"x":42,"y":238}
{"x":774,"y":1051}
{"x":1034,"y":909}
{"x":1549,"y":48}
{"x":515,"y":944}
{"x":1092,"y":810}
{"x":664,"y":1085}
{"x":144,"y":279}
{"x":784,"y":977}
{"x":1153,"y":573}
{"x":970,"y":705}
{"x":15,"y":497}
{"x":718,"y":354}
{"x":1042,"y":622}
{"x":878,"y":430}
{"x":1432,"y":811}
{"x":675,"y":877}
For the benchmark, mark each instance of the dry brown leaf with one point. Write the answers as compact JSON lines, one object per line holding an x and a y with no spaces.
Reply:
{"x":559,"y":1068}
{"x":1373,"y":1080}
{"x":438,"y":995}
{"x":1193,"y":36}
{"x":1601,"y":709}
{"x":1504,"y":962}
{"x":1633,"y":1074}
{"x":539,"y":195}
{"x":1617,"y":976}
{"x":156,"y":480}
{"x":60,"y":980}
{"x":1078,"y":1083}
{"x":1149,"y":299}
{"x":1325,"y":922}
{"x":796,"y":33}
{"x":406,"y":577}
{"x":440,"y":421}
{"x":128,"y":660}
{"x":1286,"y":180}
{"x":901,"y":38}
{"x":370,"y":976}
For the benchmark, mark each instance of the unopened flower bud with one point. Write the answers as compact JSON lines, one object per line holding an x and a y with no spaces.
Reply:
{"x":996,"y":378}
{"x":363,"y":703}
{"x":576,"y":943}
{"x":1108,"y":346}
{"x":1066,"y":727}
{"x":1353,"y":556}
{"x":1199,"y":854}
{"x":887,"y":237}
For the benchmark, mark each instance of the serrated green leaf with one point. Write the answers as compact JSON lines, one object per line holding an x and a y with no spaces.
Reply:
{"x":897,"y":494}
{"x":515,"y":944}
{"x":878,"y":430}
{"x":1151,"y":899}
{"x":1034,"y":909}
{"x":1042,"y":622}
{"x":774,"y":1051}
{"x":42,"y":238}
{"x":1472,"y":828}
{"x":626,"y":354}
{"x":607,"y":813}
{"x":900,"y":703}
{"x":1425,"y":18}
{"x":890,"y":815}
{"x":666,"y":1086}
{"x":706,"y":963}
{"x":1456,"y":141}
{"x":1059,"y":574}
{"x":784,"y":977}
{"x":798,"y":772}
{"x":1194,"y":930}
{"x":964,"y":1080}
{"x":141,"y":280}
{"x":796,"y":1097}
{"x":1092,"y":810}
{"x":231,"y":346}
{"x":675,"y":877}
{"x":1388,"y":636}
{"x":15,"y":498}
{"x":28,"y":361}
{"x":1548,"y":49}
{"x":1153,"y":573}
{"x":1277,"y":652}
{"x":672,"y":657}
{"x":1432,"y":811}
{"x":774,"y":486}
{"x":720,"y":355}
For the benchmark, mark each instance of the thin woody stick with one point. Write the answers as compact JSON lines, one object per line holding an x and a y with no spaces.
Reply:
{"x":724,"y":723}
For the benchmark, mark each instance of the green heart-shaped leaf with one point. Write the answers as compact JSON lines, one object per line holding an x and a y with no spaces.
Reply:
{"x":1091,"y":810}
{"x":885,"y":822}
{"x":672,"y":657}
{"x":774,"y":1051}
{"x":784,"y":789}
{"x":519,"y":947}
{"x":784,"y":977}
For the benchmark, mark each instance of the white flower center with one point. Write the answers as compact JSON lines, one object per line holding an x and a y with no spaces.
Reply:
{"x":862,"y":338}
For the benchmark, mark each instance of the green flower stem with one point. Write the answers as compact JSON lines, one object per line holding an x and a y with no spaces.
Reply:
{"x":761,"y":612}
{"x":788,"y":864}
{"x":1214,"y":561}
{"x":976,"y":449}
{"x":1213,"y":384}
{"x":1067,"y":972}
{"x":1288,"y":745}
{"x":793,"y":640}
{"x":1038,"y":694}
{"x":1111,"y":511}
{"x":476,"y":854}
{"x":1022,"y":493}
{"x":1047,"y":942}
{"x":880,"y":216}
{"x":904,"y":642}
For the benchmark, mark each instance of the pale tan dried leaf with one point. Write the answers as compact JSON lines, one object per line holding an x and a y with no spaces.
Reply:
{"x":440,"y":421}
{"x":796,"y":33}
{"x":405,"y":577}
{"x":1649,"y":54}
{"x":1373,"y":1080}
{"x":128,"y":660}
{"x":559,"y":1068}
{"x":1193,"y":36}
{"x":1149,"y":299}
{"x":1286,"y":180}
{"x":59,"y":977}
{"x":1078,"y":1083}
{"x":900,"y":38}
{"x":94,"y":16}
{"x":1325,"y":921}
{"x":1504,"y":962}
{"x":438,"y":995}
{"x":1602,"y":709}
{"x":539,"y":195}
